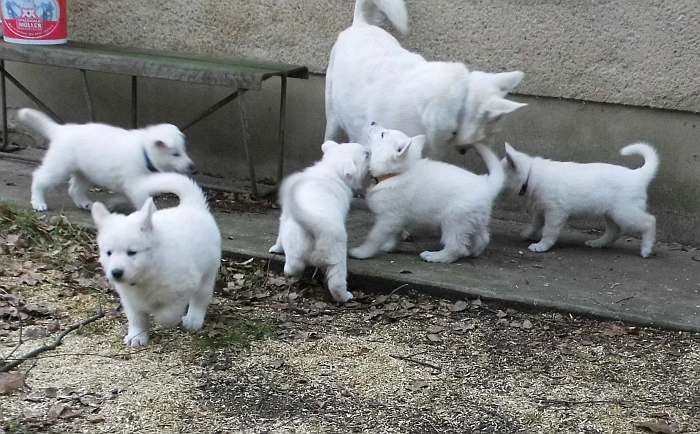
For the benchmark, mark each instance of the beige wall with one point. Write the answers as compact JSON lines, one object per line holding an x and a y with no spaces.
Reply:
{"x":635,"y":52}
{"x":624,"y":55}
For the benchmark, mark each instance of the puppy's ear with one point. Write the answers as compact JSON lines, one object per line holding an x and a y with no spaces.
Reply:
{"x":328,"y":145}
{"x":147,"y":211}
{"x":497,"y":106}
{"x":507,"y":81}
{"x":419,"y":142}
{"x":402,"y":149}
{"x":99,"y":213}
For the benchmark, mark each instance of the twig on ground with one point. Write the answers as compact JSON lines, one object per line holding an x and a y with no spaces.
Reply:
{"x":52,"y":346}
{"x":624,"y":299}
{"x":417,"y":362}
{"x":542,"y":401}
{"x":20,"y":341}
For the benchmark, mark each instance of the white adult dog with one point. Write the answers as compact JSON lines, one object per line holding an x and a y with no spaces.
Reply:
{"x":556,"y":190}
{"x":414,"y":192}
{"x":370,"y":77}
{"x":315,"y":205}
{"x":161,"y":261}
{"x":98,"y":154}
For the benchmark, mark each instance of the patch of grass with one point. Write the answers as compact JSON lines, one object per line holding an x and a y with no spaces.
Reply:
{"x":37,"y":229}
{"x":237,"y":334}
{"x":14,"y":427}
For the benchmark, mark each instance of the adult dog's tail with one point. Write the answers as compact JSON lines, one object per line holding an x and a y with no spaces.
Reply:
{"x":651,"y":159}
{"x":38,"y":122}
{"x":496,"y":174}
{"x":184,"y":188}
{"x":373,"y":11}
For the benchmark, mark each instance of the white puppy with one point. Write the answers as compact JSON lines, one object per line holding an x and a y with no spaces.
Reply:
{"x":161,"y":261}
{"x":315,"y":205}
{"x":371,"y":77}
{"x":556,"y":190}
{"x":98,"y":154}
{"x":415,"y":192}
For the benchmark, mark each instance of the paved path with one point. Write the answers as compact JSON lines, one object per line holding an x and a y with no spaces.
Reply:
{"x":612,"y":283}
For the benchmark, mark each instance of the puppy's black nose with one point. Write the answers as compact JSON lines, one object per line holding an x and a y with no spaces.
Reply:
{"x":462,"y":151}
{"x":117,"y":273}
{"x":372,"y":123}
{"x":192,"y":168}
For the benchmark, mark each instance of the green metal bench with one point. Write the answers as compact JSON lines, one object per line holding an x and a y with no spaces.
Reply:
{"x":240,"y":75}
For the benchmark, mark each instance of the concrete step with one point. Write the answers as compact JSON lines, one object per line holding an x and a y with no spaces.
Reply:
{"x":614,"y":283}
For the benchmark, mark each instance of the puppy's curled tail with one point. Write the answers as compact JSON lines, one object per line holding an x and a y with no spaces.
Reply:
{"x":38,"y":122}
{"x":372,"y":12}
{"x":496,"y":174}
{"x":184,"y":188}
{"x":651,"y":159}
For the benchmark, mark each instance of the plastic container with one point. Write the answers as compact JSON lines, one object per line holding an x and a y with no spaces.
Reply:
{"x":39,"y":22}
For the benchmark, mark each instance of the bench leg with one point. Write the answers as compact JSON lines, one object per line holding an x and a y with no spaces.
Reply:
{"x":88,"y":97}
{"x":221,"y":103}
{"x":3,"y":89}
{"x":245,"y":137}
{"x":282,"y":125}
{"x":134,"y":102}
{"x":31,"y":96}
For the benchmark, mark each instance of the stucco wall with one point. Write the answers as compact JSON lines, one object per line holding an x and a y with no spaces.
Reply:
{"x":636,"y":52}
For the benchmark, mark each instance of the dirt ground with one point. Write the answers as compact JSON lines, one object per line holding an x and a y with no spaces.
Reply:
{"x":275,"y":357}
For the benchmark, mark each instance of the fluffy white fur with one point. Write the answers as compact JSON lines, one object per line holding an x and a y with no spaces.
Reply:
{"x":371,"y":77}
{"x":423,"y":193}
{"x":315,"y":205}
{"x":556,"y":190}
{"x":98,"y":154}
{"x":161,"y":261}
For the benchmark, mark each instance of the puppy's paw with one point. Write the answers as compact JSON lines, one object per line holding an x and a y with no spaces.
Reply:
{"x":436,"y":257}
{"x":341,"y":296}
{"x":192,"y":322}
{"x":39,"y":206}
{"x":360,"y":253}
{"x":276,"y":249}
{"x":646,"y":252}
{"x":596,"y":244}
{"x":136,"y":340}
{"x":538,"y":247}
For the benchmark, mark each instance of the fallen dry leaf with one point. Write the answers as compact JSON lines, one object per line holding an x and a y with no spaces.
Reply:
{"x":501,"y":314}
{"x":434,"y":329}
{"x":433,"y":337}
{"x":459,"y":306}
{"x":615,"y":330}
{"x":527,"y":325}
{"x":10,"y":381}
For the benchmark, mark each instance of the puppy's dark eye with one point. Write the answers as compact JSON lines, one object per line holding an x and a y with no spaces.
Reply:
{"x":130,"y":252}
{"x":109,"y":253}
{"x":382,"y":135}
{"x":366,"y":155}
{"x":177,"y":154}
{"x":454,"y":133}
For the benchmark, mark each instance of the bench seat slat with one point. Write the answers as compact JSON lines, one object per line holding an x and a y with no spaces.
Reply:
{"x":234,"y":73}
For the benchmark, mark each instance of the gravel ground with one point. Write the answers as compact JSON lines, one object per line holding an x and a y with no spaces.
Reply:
{"x":283,"y":358}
